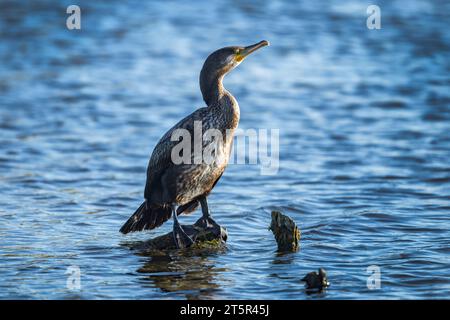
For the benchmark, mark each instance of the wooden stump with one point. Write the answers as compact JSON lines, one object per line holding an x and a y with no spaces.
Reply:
{"x":286,"y":232}
{"x":204,"y":238}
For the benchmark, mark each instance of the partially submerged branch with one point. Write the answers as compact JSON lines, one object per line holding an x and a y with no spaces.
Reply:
{"x":286,"y":232}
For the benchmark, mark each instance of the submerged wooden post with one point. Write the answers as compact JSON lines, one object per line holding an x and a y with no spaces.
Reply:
{"x":204,"y":238}
{"x":286,"y":232}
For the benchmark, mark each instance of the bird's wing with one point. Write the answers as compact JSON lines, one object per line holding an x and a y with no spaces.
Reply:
{"x":160,"y":159}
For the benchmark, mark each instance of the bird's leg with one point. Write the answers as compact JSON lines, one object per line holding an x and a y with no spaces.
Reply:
{"x":206,"y":221}
{"x":182,"y":240}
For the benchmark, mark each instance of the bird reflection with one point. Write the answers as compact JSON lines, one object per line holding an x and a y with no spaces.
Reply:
{"x":191,"y":273}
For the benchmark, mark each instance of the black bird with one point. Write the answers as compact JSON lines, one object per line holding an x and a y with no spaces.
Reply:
{"x":173,"y":189}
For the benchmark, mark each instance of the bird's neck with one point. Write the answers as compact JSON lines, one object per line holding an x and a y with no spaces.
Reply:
{"x":212,"y":88}
{"x":217,"y":97}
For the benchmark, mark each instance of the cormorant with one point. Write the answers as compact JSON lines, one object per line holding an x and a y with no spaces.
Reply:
{"x":172,"y":189}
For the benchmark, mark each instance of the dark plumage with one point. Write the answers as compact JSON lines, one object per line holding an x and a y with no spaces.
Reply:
{"x":182,"y":187}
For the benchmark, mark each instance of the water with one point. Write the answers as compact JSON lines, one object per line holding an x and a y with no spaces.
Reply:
{"x":364,"y":122}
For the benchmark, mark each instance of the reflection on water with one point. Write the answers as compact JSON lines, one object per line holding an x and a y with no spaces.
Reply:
{"x":283,"y":258}
{"x":193,"y":276}
{"x":190,"y":273}
{"x":364,"y":119}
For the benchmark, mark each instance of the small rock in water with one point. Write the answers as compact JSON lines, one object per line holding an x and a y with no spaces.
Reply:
{"x":316,"y":280}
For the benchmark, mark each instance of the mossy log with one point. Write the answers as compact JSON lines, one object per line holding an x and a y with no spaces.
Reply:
{"x":203,"y":238}
{"x":286,"y":232}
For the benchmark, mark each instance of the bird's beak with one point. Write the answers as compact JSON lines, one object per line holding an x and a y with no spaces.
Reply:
{"x":250,"y":49}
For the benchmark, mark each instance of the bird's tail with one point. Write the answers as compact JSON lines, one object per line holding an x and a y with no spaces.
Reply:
{"x":147,"y":217}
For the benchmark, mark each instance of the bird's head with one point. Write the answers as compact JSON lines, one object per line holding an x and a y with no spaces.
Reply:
{"x":222,"y":61}
{"x":226,"y":59}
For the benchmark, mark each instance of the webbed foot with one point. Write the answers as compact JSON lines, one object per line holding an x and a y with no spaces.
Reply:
{"x":208,"y":223}
{"x":182,"y":240}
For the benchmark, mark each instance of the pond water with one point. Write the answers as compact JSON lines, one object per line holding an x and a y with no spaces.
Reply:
{"x":364,"y":162}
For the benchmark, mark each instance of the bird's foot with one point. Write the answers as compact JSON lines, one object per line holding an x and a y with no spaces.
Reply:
{"x":208,"y":223}
{"x":182,"y":240}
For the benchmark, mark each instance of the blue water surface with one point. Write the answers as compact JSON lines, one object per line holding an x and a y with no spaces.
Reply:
{"x":364,"y":120}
